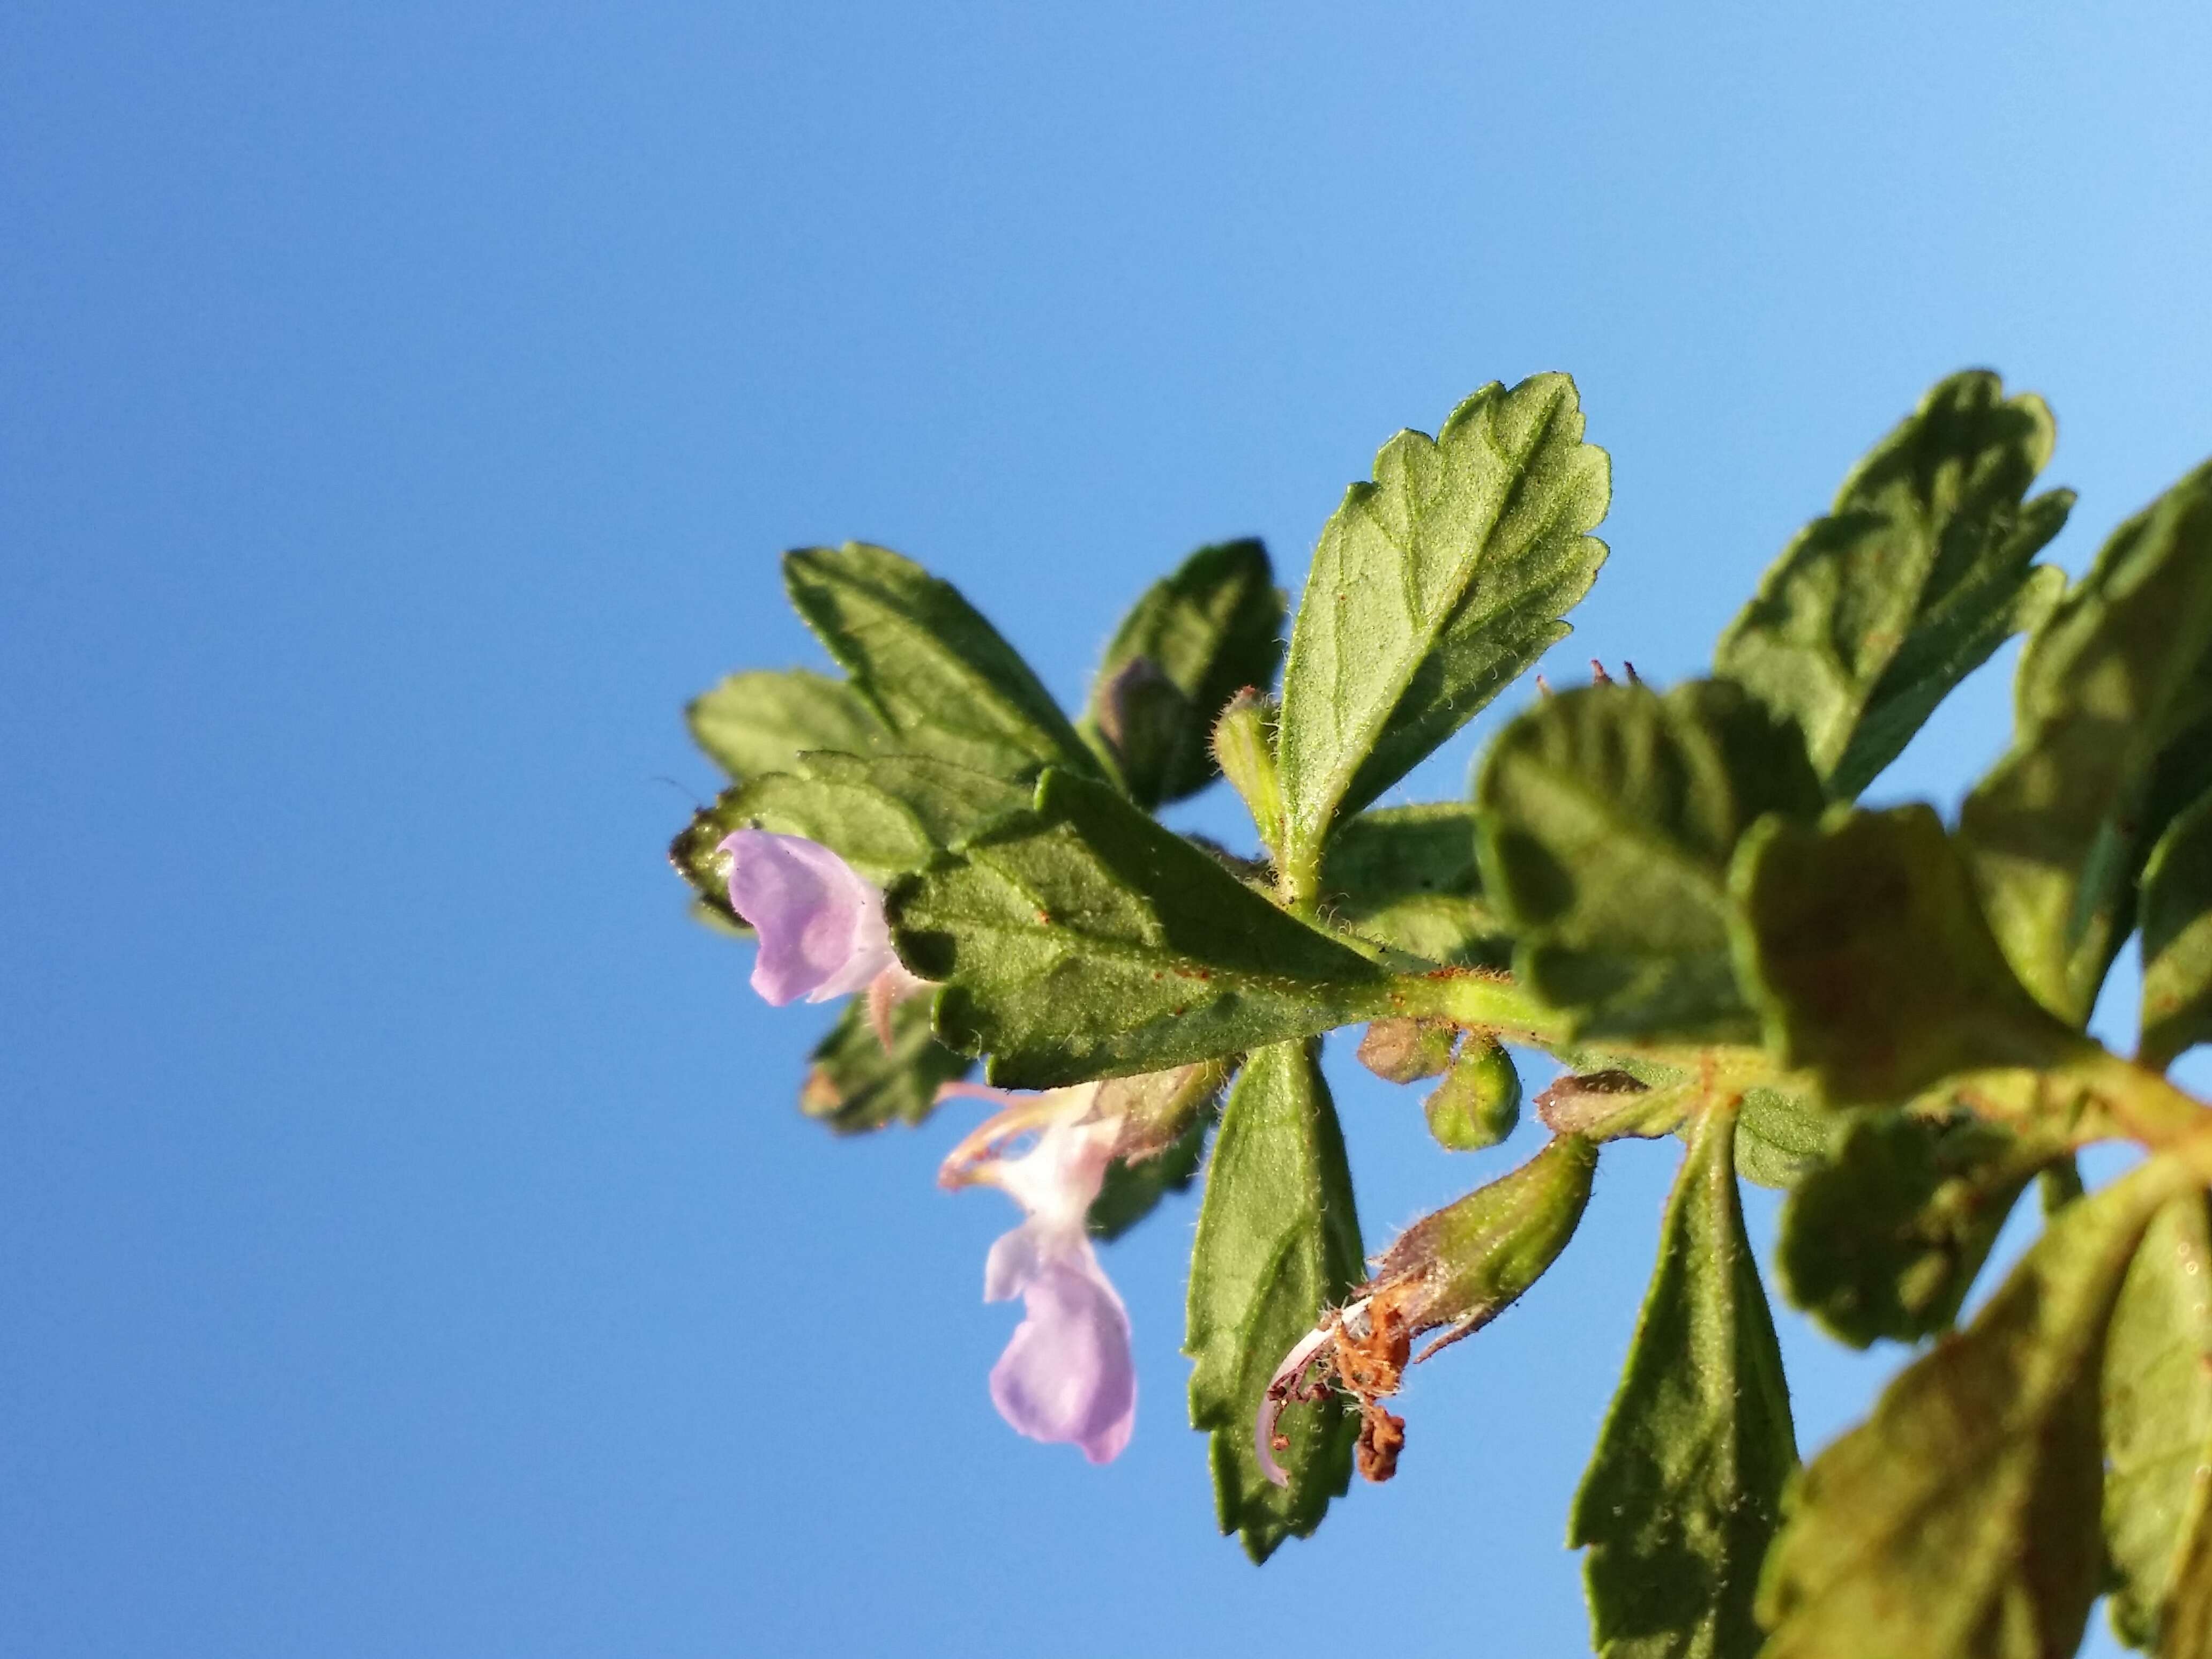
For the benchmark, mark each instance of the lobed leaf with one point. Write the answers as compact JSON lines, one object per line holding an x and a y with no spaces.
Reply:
{"x":1081,"y":939}
{"x":1431,"y":589}
{"x":1608,"y":815}
{"x":1871,"y":962}
{"x":1190,"y":644}
{"x":1884,"y":1240}
{"x":2176,"y":937}
{"x":1684,"y":1492}
{"x":1923,"y":569}
{"x":1277,"y":1241}
{"x":939,"y":675}
{"x":883,"y":817}
{"x":1780,"y":1134}
{"x":763,"y":720}
{"x":1959,"y":1522}
{"x":2157,"y":1398}
{"x":2113,"y":738}
{"x":853,"y":1084}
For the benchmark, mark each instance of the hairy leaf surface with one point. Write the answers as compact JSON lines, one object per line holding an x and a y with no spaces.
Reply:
{"x":1195,"y":639}
{"x":2158,"y":1437}
{"x":1885,"y":1239}
{"x":1431,"y":589}
{"x":1872,"y":962}
{"x":1081,"y":939}
{"x":1278,"y":1241}
{"x":2113,"y":737}
{"x":1406,"y":877}
{"x":1608,"y":817}
{"x":941,"y":675}
{"x":1923,"y":569}
{"x":1960,"y":1520}
{"x":2176,"y":937}
{"x":764,"y":719}
{"x":1684,"y":1492}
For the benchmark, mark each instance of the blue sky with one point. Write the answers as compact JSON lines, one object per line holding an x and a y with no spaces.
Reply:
{"x":408,"y":1243}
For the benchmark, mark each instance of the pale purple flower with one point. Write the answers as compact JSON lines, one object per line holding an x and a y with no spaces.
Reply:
{"x":1067,"y":1377}
{"x":821,"y":924}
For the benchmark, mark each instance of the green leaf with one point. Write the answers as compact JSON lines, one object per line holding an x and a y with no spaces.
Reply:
{"x":1779,"y":1135}
{"x":2113,"y":737}
{"x":1959,"y":1522}
{"x":1431,"y":589}
{"x":763,"y":720}
{"x":1083,"y":941}
{"x":945,"y":682}
{"x":1684,"y":1491}
{"x":2158,"y":1437}
{"x":1608,"y":817}
{"x":1871,"y":961}
{"x":1191,"y":644}
{"x":1406,"y":877}
{"x":1885,"y":1239}
{"x":883,"y":817}
{"x":1924,"y":568}
{"x":1277,"y":1241}
{"x":2176,"y":937}
{"x":854,"y":1086}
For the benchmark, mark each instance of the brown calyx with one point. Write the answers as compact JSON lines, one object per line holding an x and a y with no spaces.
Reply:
{"x":1370,"y":1366}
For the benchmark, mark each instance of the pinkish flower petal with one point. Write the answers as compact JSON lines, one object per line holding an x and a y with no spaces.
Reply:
{"x":1016,"y":1259}
{"x":1056,"y":1179}
{"x":1067,"y":1377}
{"x":821,"y":925}
{"x":886,"y":991}
{"x":1284,"y":1387}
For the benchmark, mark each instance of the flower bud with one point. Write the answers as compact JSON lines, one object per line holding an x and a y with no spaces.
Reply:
{"x":1478,"y":1101}
{"x":1157,"y":1108}
{"x":1402,"y":1050}
{"x":1244,"y":747}
{"x":1142,"y":715}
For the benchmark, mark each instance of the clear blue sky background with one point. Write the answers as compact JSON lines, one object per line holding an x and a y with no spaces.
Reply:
{"x":408,"y":1242}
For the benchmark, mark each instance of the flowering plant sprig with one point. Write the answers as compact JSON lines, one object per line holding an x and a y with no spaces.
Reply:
{"x":1672,"y":894}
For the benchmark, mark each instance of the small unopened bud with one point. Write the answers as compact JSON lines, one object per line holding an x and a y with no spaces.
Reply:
{"x":1141,"y":713}
{"x":1244,"y":747}
{"x":1157,"y":1108}
{"x":1478,"y":1101}
{"x":1609,"y":1104}
{"x":1405,"y":1050}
